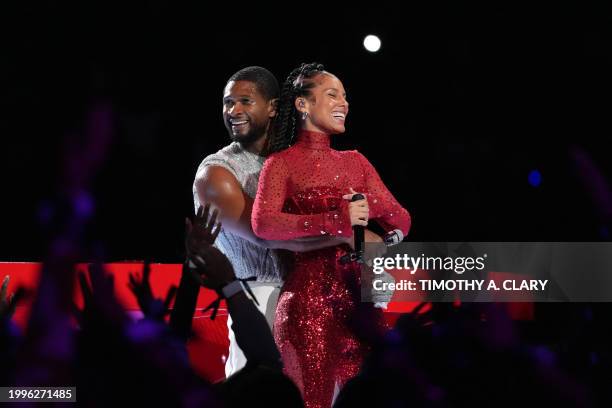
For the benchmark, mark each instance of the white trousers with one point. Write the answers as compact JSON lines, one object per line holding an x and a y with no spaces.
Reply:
{"x":267,"y":296}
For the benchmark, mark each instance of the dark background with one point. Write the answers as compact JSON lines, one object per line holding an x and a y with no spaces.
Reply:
{"x":461,"y":103}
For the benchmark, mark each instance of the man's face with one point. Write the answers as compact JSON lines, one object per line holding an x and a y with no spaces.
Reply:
{"x":246,"y":112}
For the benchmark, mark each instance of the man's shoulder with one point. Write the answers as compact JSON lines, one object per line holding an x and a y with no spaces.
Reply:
{"x":224,"y":154}
{"x":222,"y":158}
{"x":215,"y":179}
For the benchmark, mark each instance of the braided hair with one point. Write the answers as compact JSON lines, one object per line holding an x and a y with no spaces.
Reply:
{"x":299,"y":83}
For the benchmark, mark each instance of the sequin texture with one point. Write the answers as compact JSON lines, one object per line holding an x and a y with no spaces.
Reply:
{"x":300,"y":195}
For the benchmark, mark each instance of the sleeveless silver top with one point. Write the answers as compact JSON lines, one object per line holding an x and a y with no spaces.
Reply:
{"x":247,"y":258}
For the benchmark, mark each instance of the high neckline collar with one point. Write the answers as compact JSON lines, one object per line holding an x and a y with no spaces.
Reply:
{"x":313,"y":140}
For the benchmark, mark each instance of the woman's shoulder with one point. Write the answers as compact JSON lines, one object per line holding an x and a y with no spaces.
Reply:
{"x":287,"y":154}
{"x":350,"y":154}
{"x":279,"y":158}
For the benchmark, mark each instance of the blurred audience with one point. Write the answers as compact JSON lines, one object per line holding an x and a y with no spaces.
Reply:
{"x":445,"y":355}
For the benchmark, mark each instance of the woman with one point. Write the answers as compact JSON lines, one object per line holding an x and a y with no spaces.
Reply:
{"x":304,"y":191}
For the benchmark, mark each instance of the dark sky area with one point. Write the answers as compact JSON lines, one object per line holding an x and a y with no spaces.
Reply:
{"x":461,"y":104}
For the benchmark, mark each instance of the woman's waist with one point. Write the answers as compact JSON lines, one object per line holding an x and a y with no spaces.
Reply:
{"x":326,"y":264}
{"x":323,"y":254}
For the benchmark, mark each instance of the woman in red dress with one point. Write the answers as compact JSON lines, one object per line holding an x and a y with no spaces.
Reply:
{"x":304,"y":191}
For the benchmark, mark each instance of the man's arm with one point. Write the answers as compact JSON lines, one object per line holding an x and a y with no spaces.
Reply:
{"x":218,"y":186}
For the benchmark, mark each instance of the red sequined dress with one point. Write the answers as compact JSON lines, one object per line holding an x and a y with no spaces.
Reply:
{"x":300,"y":195}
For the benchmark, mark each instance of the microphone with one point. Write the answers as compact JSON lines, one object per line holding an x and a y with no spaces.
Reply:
{"x":358,"y":233}
{"x":359,"y":237}
{"x":393,"y":237}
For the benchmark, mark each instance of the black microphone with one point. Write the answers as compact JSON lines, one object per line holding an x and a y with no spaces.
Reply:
{"x":358,"y":233}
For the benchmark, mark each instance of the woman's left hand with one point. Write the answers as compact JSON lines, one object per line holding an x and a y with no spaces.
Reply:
{"x":358,"y":210}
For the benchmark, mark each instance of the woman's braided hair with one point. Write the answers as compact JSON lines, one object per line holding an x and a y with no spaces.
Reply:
{"x":299,"y":83}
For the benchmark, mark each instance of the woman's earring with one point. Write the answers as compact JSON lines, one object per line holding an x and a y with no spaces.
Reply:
{"x":304,"y":115}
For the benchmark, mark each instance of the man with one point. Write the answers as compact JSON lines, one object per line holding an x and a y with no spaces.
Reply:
{"x":228,"y":180}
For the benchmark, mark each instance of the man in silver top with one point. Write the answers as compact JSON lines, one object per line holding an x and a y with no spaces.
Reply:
{"x":228,"y":180}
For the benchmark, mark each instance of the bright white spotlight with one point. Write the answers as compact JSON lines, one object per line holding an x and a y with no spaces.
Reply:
{"x":371,"y":43}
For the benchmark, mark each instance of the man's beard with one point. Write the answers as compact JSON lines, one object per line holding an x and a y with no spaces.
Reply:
{"x":256,"y":131}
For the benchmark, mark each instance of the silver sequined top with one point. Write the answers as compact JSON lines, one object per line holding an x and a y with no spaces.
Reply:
{"x":247,"y":258}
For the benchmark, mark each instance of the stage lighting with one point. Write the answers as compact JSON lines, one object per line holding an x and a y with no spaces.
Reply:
{"x":535,"y":178}
{"x":371,"y":43}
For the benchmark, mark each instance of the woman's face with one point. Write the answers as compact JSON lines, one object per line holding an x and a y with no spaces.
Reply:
{"x":327,"y":106}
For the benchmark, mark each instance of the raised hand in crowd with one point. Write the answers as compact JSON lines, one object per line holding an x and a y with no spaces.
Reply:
{"x":208,"y":266}
{"x":8,"y":303}
{"x":99,"y":298}
{"x":152,"y":307}
{"x":199,"y":234}
{"x":212,"y":268}
{"x":202,"y":231}
{"x":250,"y":327}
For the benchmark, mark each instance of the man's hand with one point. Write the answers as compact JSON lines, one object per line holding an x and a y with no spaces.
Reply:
{"x":202,"y":232}
{"x":368,"y":236}
{"x":376,"y":248}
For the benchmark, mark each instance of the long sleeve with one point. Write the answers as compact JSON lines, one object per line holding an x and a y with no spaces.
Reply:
{"x":270,"y":222}
{"x":384,"y":208}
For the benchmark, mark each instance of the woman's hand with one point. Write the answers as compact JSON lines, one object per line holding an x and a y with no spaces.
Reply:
{"x":358,"y":210}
